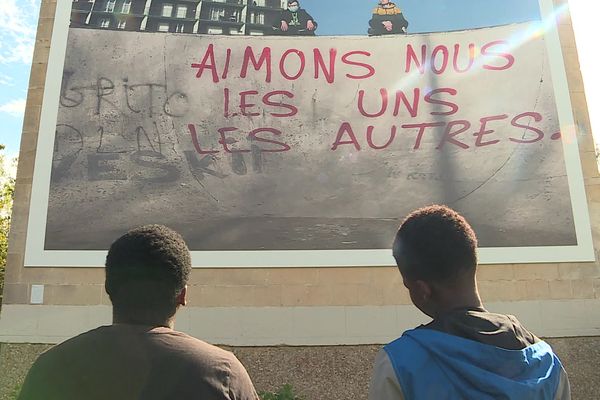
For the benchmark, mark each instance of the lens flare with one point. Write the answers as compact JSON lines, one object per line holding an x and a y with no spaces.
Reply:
{"x":536,"y":30}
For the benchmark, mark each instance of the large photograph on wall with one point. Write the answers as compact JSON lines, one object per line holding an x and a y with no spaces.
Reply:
{"x":300,"y":133}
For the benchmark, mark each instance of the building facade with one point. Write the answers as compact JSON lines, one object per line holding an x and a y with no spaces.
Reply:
{"x":310,"y":306}
{"x":218,"y":17}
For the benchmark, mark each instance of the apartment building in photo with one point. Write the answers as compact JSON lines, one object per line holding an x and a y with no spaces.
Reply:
{"x":217,"y":17}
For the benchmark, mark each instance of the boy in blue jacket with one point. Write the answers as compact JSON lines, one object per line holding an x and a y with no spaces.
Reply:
{"x":466,"y":352}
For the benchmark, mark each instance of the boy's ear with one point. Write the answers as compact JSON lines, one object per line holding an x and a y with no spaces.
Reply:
{"x":424,"y":290}
{"x":182,"y":297}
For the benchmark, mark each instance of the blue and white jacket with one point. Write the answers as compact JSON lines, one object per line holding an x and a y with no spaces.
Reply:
{"x":428,"y":364}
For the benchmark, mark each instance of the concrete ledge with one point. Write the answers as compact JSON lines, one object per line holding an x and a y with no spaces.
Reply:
{"x":295,"y":326}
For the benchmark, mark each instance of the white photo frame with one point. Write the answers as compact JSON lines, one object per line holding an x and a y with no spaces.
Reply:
{"x":37,"y":256}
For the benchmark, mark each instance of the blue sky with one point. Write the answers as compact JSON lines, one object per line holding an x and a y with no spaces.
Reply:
{"x":352,"y":16}
{"x":18,"y":21}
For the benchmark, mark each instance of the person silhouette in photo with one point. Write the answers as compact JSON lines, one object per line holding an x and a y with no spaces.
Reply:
{"x":295,"y":21}
{"x":387,"y":19}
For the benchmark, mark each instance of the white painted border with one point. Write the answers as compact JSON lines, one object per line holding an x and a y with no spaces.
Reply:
{"x":293,"y":326}
{"x":36,"y":256}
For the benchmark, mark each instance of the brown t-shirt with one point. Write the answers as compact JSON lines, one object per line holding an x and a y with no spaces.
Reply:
{"x":131,"y":362}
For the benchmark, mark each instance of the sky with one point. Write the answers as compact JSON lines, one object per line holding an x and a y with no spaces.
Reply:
{"x":18,"y":22}
{"x":351,"y":17}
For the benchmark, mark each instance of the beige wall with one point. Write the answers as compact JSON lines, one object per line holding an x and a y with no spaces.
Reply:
{"x":533,"y":286}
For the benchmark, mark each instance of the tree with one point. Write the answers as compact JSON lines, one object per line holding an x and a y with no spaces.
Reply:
{"x":7,"y":189}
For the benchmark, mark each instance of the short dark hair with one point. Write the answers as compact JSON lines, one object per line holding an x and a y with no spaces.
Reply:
{"x":435,"y":243}
{"x":146,"y":269}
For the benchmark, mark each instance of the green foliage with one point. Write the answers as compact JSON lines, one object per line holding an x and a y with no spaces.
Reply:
{"x":285,"y":393}
{"x":15,"y":392}
{"x":7,"y":189}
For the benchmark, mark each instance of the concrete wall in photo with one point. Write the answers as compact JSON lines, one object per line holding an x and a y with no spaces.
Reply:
{"x":306,"y":144}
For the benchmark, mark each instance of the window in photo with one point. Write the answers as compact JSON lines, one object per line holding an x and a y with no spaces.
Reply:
{"x":233,"y":17}
{"x":257,"y":18}
{"x":110,"y":6}
{"x":126,"y":8}
{"x":181,"y":11}
{"x":217,"y":14}
{"x":167,"y":10}
{"x":215,"y":30}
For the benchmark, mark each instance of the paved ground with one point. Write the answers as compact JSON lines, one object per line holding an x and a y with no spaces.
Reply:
{"x":332,"y":373}
{"x":298,"y":234}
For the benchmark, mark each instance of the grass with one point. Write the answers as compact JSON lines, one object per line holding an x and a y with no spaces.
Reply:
{"x":15,"y":392}
{"x":285,"y":393}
